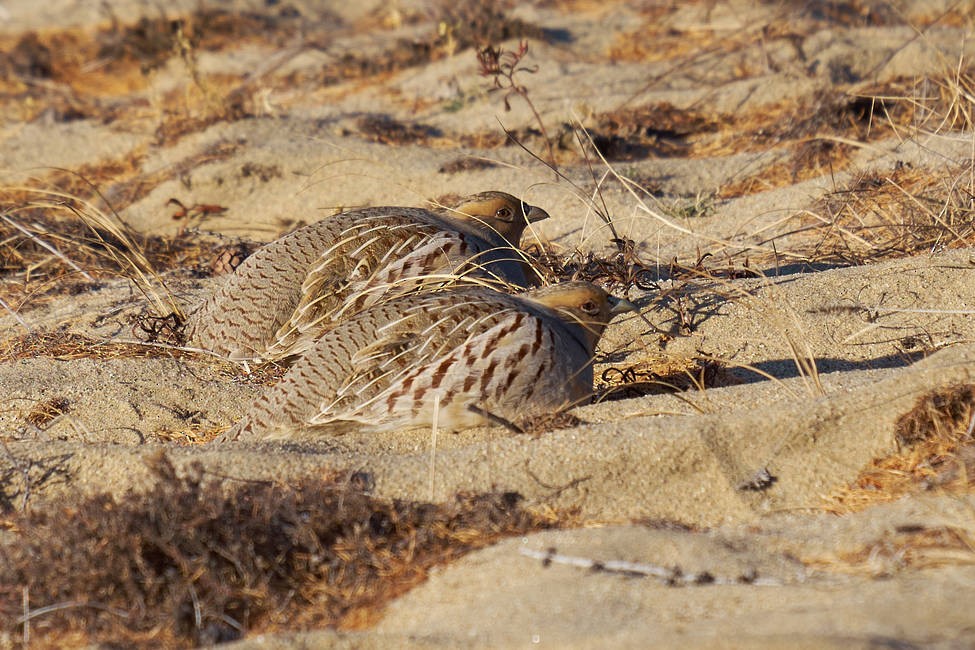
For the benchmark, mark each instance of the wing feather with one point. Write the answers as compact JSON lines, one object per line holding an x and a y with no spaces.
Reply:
{"x":401,"y":367}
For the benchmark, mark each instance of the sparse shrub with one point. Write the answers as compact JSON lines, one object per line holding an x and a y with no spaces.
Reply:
{"x":194,"y":561}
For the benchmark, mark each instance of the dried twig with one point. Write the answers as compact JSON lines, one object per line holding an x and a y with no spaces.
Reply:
{"x":503,"y":65}
{"x":671,"y":576}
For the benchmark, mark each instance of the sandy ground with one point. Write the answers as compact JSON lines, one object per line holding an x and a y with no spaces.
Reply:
{"x":655,"y":479}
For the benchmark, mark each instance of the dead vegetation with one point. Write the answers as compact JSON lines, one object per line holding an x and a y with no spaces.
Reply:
{"x":471,"y":24}
{"x":193,"y":561}
{"x":81,"y":74}
{"x":657,"y":129}
{"x":386,"y":130}
{"x":906,"y":547}
{"x":928,"y":547}
{"x":65,"y":346}
{"x":936,"y":453}
{"x":821,"y":132}
{"x":504,"y":67}
{"x":681,"y":303}
{"x":657,"y":376}
{"x":814,"y":135}
{"x":621,"y":271}
{"x":100,"y":74}
{"x":96,"y":74}
{"x":53,"y":242}
{"x":120,"y":181}
{"x":46,"y":411}
{"x":465,"y":164}
{"x":888,"y":215}
{"x":458,"y":26}
{"x":658,"y":39}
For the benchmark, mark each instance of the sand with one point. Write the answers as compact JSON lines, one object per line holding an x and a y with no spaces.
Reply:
{"x":819,"y":355}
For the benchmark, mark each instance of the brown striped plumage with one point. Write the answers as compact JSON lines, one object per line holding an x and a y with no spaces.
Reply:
{"x":288,"y":292}
{"x":404,"y":362}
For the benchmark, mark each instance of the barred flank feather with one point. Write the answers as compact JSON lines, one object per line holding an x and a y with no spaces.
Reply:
{"x":512,"y":357}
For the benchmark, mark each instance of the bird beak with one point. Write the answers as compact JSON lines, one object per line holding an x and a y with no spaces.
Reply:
{"x":619,"y":305}
{"x":533,"y":214}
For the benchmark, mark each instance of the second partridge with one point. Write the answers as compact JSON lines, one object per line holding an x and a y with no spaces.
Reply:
{"x":431,"y":357}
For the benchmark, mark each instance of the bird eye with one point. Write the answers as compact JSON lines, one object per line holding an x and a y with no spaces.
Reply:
{"x":503,"y":213}
{"x":590,"y":307}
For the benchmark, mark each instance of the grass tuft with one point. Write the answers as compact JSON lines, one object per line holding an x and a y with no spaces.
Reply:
{"x":54,"y":242}
{"x":193,"y":561}
{"x":886,"y":215}
{"x":936,"y":452}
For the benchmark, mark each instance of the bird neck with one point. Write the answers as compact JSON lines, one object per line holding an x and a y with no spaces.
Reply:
{"x":586,"y":334}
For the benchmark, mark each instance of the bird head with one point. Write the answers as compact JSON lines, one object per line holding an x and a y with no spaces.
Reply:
{"x":583,"y":304}
{"x":500,"y":213}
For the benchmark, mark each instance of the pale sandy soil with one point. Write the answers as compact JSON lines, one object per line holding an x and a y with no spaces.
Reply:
{"x":653,"y":479}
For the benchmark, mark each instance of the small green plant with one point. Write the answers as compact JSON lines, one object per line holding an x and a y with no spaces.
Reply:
{"x":700,"y":205}
{"x":454,"y":105}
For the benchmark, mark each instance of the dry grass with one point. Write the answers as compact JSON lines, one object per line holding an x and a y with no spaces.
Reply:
{"x":193,"y":433}
{"x":79,"y":73}
{"x":621,"y":271}
{"x":697,"y":46}
{"x":649,"y":44}
{"x":939,"y":103}
{"x":71,"y":74}
{"x":681,"y":303}
{"x":53,"y":242}
{"x":906,"y":547}
{"x":46,"y":411}
{"x":813,"y":135}
{"x":122,"y":179}
{"x":65,"y":346}
{"x":937,"y":452}
{"x":820,"y":132}
{"x":668,"y":131}
{"x":658,"y":39}
{"x":194,"y":561}
{"x":816,"y":135}
{"x":387,"y":130}
{"x":887,"y":215}
{"x":810,"y":159}
{"x":661,"y":128}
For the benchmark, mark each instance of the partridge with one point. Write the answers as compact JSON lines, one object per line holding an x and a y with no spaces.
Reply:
{"x":281,"y":298}
{"x":431,"y":357}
